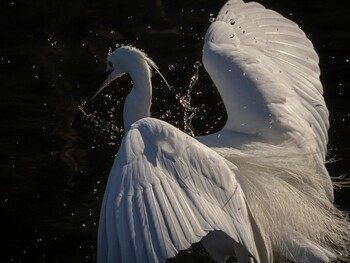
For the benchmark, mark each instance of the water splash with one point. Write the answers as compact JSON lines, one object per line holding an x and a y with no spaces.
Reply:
{"x":185,"y":101}
{"x":101,"y":121}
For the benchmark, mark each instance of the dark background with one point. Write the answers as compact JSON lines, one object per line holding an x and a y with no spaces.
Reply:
{"x":55,"y":159}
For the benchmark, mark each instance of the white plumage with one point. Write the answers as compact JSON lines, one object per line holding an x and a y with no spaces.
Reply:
{"x":258,"y":188}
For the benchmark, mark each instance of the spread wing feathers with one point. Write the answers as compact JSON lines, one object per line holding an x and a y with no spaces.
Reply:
{"x":167,"y":191}
{"x":271,"y":58}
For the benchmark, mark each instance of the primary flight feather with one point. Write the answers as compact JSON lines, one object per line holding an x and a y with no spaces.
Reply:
{"x":258,"y":189}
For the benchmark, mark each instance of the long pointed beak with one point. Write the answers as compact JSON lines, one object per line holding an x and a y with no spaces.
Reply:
{"x":106,"y":78}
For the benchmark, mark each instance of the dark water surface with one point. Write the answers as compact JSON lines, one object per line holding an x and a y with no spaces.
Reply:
{"x":55,"y":160}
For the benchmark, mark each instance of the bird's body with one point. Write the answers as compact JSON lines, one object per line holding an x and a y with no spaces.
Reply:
{"x":258,"y":188}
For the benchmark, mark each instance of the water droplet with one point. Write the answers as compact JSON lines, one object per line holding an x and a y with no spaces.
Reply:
{"x":232,"y":36}
{"x":212,"y":19}
{"x":232,"y":21}
{"x":197,"y":64}
{"x":171,"y":67}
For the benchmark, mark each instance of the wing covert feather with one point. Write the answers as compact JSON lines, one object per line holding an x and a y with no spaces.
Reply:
{"x":166,"y":191}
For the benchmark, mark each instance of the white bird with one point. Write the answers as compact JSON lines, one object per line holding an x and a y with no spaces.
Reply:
{"x":257,"y":189}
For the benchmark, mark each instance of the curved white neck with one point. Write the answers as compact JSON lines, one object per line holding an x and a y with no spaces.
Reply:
{"x":138,"y":102}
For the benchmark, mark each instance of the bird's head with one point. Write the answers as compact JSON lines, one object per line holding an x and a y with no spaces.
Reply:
{"x":125,"y":59}
{"x":115,"y":67}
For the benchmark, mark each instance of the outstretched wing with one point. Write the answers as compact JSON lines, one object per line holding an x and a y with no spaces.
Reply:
{"x":166,"y":191}
{"x":267,"y":73}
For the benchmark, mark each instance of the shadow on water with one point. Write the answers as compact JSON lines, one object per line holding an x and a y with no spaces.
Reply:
{"x":55,"y":161}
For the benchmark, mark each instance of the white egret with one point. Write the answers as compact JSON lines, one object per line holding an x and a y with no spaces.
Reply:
{"x":258,"y":188}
